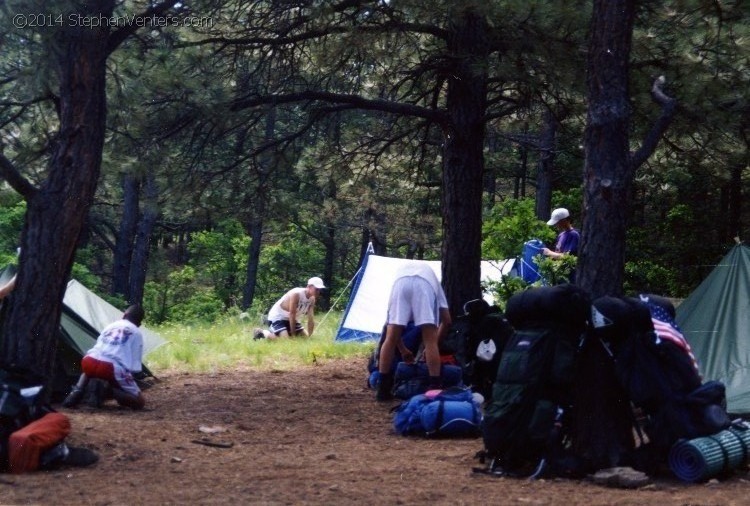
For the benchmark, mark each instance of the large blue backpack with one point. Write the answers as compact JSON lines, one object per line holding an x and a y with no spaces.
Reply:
{"x":454,"y":412}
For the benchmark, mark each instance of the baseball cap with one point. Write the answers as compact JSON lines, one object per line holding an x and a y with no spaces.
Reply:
{"x":316,"y":282}
{"x":558,"y":214}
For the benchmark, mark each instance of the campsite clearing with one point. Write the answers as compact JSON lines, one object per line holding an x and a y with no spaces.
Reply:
{"x":313,"y":435}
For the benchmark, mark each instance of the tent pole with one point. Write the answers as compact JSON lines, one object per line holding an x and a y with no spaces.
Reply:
{"x":341,"y":295}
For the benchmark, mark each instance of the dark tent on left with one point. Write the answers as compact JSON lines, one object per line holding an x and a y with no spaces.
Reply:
{"x":84,"y":315}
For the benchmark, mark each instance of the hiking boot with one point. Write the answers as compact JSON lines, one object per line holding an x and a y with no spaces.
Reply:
{"x":258,"y":334}
{"x":54,"y":457}
{"x":95,"y":392}
{"x":80,"y":457}
{"x":74,"y":398}
{"x":385,"y":388}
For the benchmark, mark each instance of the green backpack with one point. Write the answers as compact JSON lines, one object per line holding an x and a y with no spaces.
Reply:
{"x":532,"y":391}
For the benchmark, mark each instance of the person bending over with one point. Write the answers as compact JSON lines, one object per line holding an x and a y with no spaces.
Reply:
{"x":285,"y":315}
{"x":416,"y":296}
{"x":116,"y":356}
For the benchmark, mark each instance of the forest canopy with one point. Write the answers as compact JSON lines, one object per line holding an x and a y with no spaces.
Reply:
{"x":248,"y":145}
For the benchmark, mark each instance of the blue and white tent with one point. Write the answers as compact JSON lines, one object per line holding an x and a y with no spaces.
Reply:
{"x":367,"y":308}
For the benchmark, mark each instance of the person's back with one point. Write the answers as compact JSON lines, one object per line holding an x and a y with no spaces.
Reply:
{"x":120,"y":342}
{"x":117,"y":354}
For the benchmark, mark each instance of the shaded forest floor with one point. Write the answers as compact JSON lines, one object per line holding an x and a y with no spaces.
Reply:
{"x":309,"y":436}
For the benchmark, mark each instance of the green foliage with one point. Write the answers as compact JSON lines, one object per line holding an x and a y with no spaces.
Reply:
{"x":219,"y":257}
{"x":646,"y":276}
{"x":12,"y":211}
{"x":284,"y":265}
{"x":181,"y":298}
{"x":556,"y":271}
{"x":505,"y":288}
{"x":229,"y":344}
{"x":509,"y":225}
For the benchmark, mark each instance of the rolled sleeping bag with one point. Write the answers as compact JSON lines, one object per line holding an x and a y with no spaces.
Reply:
{"x":568,"y":304}
{"x":451,"y":419}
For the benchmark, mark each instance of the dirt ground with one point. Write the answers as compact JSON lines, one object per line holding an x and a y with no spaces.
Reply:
{"x":309,"y":436}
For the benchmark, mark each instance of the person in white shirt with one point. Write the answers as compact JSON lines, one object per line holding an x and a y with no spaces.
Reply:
{"x":285,"y":315}
{"x":416,"y":296}
{"x":116,"y":356}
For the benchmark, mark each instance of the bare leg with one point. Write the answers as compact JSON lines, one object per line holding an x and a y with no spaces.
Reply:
{"x":126,"y":399}
{"x":431,"y":352}
{"x":388,"y":349}
{"x":385,"y":361}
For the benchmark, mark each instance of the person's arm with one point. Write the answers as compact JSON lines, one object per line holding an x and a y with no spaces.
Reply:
{"x":552,"y":254}
{"x":311,"y":317}
{"x":445,"y":323}
{"x":293,"y":302}
{"x":406,"y":354}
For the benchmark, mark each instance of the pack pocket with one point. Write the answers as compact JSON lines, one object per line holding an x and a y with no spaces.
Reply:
{"x":542,"y":420}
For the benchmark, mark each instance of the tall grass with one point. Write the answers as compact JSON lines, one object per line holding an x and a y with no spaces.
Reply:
{"x":230,"y":345}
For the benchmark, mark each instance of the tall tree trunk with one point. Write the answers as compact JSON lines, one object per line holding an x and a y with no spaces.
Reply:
{"x":735,"y":197}
{"x":142,"y":247}
{"x":56,"y":212}
{"x":131,"y":187}
{"x":545,"y":167}
{"x":265,"y":167}
{"x":608,"y":174}
{"x":463,"y":156}
{"x":374,"y":222}
{"x":255,"y":229}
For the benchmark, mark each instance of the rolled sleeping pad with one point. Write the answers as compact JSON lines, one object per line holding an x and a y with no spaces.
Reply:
{"x":702,"y":458}
{"x":451,"y":418}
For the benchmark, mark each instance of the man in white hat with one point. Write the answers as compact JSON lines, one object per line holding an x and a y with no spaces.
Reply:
{"x":568,"y":237}
{"x":286,"y":313}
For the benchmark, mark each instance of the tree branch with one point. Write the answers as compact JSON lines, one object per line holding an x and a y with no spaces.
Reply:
{"x":138,"y":21}
{"x":340,"y":98}
{"x":651,"y":140}
{"x":9,"y":173}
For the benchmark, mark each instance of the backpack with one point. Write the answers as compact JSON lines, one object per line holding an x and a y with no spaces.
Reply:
{"x":524,"y":420}
{"x":452,"y":412}
{"x":21,"y":402}
{"x":476,"y":340}
{"x":658,"y":377}
{"x":530,"y":395}
{"x":412,"y":338}
{"x":412,"y":379}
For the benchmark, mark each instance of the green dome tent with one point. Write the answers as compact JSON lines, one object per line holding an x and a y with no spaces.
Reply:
{"x":84,"y":315}
{"x":715,"y":320}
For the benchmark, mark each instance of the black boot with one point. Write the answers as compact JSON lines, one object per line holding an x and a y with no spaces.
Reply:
{"x":96,"y":392}
{"x":74,"y":397}
{"x":385,"y":387}
{"x":77,"y":392}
